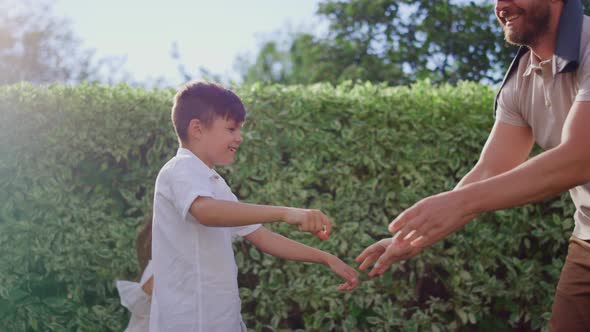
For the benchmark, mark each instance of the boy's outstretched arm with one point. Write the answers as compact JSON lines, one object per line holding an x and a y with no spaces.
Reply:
{"x":218,"y":213}
{"x":282,"y":247}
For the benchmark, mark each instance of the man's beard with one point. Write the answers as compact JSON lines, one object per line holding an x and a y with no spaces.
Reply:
{"x":536,"y":24}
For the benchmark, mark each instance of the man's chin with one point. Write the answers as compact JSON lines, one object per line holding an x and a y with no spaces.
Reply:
{"x":513,"y":38}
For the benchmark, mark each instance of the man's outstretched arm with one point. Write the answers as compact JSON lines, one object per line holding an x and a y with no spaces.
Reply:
{"x":507,"y":147}
{"x":545,"y":175}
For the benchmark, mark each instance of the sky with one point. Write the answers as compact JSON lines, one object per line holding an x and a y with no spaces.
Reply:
{"x":208,"y":34}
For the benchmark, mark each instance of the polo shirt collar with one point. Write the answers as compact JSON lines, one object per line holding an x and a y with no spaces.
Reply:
{"x":535,"y":64}
{"x":567,"y":46}
{"x":201,"y":165}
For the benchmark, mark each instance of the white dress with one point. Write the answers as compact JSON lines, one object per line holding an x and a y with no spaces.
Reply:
{"x":136,"y":301}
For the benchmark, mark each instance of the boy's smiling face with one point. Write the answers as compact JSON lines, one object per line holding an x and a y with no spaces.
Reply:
{"x":218,"y":143}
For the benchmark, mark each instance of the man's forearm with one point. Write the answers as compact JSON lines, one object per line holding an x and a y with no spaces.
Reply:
{"x":478,"y":173}
{"x":545,"y":175}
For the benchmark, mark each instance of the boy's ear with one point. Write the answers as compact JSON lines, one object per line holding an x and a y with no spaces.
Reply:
{"x":195,"y":129}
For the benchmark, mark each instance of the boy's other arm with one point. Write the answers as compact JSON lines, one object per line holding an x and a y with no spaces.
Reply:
{"x":218,"y":213}
{"x":148,"y":286}
{"x":282,"y":247}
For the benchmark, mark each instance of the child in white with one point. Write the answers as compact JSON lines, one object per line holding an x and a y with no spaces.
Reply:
{"x":196,"y":216}
{"x":135,"y":298}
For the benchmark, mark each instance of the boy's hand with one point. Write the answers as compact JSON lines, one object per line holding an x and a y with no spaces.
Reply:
{"x":313,"y":221}
{"x":345,"y":271}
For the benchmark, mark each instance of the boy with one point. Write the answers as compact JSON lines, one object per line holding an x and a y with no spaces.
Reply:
{"x":196,"y":216}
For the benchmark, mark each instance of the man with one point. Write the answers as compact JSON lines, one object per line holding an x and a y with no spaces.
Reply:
{"x":545,"y":98}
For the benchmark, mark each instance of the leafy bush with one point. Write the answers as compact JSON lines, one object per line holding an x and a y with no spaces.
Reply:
{"x":78,"y":166}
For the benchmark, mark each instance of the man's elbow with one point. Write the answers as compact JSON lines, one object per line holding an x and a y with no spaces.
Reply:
{"x":584,"y":169}
{"x":579,"y":159}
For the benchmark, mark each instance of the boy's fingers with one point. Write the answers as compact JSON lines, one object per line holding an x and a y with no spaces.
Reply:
{"x":352,"y":285}
{"x":312,"y":227}
{"x":327,"y":226}
{"x":351,"y":276}
{"x":313,"y":223}
{"x":353,"y":281}
{"x":346,"y":287}
{"x":321,"y":235}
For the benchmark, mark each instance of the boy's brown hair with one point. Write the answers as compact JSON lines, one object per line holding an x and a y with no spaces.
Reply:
{"x":204,"y":101}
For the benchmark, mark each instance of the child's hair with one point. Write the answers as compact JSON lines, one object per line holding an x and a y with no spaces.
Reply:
{"x":144,"y":244}
{"x":204,"y":101}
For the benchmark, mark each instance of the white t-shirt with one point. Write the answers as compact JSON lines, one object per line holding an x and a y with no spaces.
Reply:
{"x":136,"y":301}
{"x":195,"y":274}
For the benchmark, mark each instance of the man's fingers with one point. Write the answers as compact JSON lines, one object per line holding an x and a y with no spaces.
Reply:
{"x":381,"y":266}
{"x":368,"y":261}
{"x":399,"y":222}
{"x":377,"y":247}
{"x":368,"y":251}
{"x":419,"y":241}
{"x":391,"y":255}
{"x":361,"y":257}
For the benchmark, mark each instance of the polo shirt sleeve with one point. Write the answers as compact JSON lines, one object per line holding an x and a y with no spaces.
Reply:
{"x":508,"y":110}
{"x":187,"y":183}
{"x":583,"y":76}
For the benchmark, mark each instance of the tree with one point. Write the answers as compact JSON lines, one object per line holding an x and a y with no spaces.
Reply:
{"x":394,"y":41}
{"x":40,"y":48}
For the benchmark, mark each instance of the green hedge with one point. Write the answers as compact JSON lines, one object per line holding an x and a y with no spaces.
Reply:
{"x":77,"y":171}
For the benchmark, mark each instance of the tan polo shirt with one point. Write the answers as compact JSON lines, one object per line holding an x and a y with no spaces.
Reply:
{"x":539,"y":97}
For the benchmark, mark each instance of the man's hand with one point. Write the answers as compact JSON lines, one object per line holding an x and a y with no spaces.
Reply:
{"x":386,"y":252}
{"x":313,"y":221}
{"x":432,"y":219}
{"x":343,"y":270}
